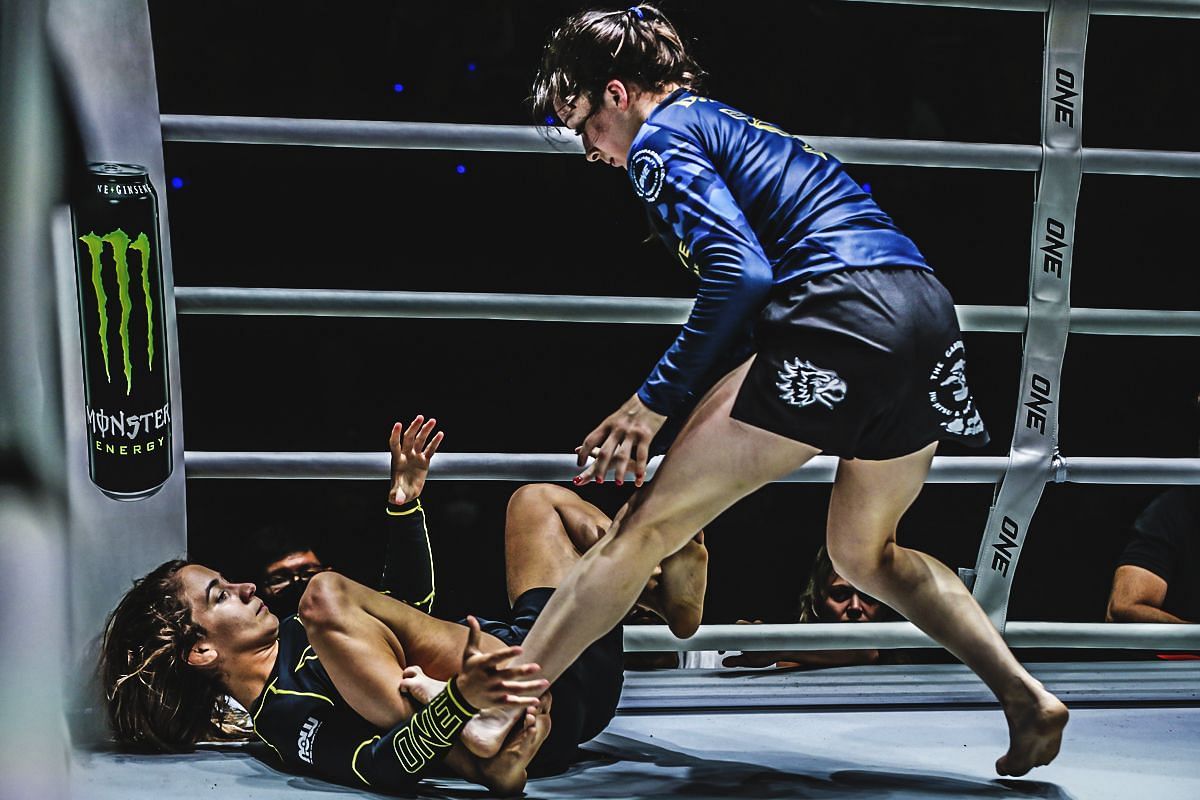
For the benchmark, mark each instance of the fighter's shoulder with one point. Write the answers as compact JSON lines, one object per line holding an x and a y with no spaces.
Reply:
{"x":687,"y":120}
{"x":677,"y":139}
{"x":692,"y":109}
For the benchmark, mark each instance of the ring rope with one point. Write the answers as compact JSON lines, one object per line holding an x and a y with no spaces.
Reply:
{"x":557,"y":467}
{"x":532,"y":139}
{"x":632,"y":310}
{"x":895,"y":635}
{"x":1066,"y":41}
{"x":1182,"y":9}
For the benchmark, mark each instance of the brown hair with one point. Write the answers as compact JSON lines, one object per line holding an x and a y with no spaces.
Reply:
{"x":812,"y":599}
{"x":637,"y":45}
{"x":816,"y":591}
{"x":156,"y":700}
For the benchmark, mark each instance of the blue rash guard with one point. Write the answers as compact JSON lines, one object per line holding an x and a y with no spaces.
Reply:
{"x":748,"y":208}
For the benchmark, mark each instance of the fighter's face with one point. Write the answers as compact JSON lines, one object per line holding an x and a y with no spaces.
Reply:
{"x":298,"y":567}
{"x":844,"y":603}
{"x":233,"y":617}
{"x":607,"y":124}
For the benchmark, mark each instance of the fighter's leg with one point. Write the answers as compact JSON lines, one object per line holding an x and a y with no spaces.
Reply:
{"x":546,"y":529}
{"x":549,"y":526}
{"x":715,"y":461}
{"x":868,"y":499}
{"x":364,"y":640}
{"x":678,"y":596}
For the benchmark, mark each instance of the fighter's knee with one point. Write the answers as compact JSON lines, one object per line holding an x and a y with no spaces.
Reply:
{"x":857,"y":562}
{"x":324,"y":600}
{"x":536,"y":495}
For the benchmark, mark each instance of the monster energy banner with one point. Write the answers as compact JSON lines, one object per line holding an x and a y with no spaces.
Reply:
{"x":126,"y":389}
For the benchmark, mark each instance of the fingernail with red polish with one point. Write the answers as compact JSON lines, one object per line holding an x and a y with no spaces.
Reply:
{"x":620,"y":483}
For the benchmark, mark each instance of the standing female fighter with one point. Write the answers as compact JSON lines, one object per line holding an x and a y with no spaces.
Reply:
{"x":855,"y":352}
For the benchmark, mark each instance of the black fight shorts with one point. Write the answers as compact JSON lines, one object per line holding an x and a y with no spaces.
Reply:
{"x":585,"y":696}
{"x":865,"y":363}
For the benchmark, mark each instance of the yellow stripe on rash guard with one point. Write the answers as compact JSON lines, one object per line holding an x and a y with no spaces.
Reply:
{"x":426,"y":603}
{"x":354,"y":760}
{"x":254,"y":722}
{"x":306,"y":656}
{"x":451,"y":690}
{"x":303,"y":694}
{"x":412,"y":510}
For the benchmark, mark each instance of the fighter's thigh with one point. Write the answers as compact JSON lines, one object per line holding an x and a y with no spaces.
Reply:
{"x":715,"y":461}
{"x":546,"y":528}
{"x":365,"y":639}
{"x":869,"y":498}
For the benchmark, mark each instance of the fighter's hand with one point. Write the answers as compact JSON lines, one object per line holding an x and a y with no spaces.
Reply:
{"x":622,"y":442}
{"x":486,"y":681}
{"x":752,"y":659}
{"x":412,"y":450}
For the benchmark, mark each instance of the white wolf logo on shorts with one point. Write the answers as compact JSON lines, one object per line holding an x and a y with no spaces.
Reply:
{"x":801,"y":383}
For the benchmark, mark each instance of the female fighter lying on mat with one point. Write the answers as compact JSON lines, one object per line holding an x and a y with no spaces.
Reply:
{"x":362,"y":688}
{"x":849,"y":346}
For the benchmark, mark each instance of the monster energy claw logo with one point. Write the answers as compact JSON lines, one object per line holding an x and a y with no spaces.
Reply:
{"x":120,"y":244}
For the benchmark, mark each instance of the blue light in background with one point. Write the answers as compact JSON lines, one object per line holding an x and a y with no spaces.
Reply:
{"x":549,"y":120}
{"x":866,"y":187}
{"x":470,"y":66}
{"x":397,"y":87}
{"x":176,"y":183}
{"x":461,"y":169}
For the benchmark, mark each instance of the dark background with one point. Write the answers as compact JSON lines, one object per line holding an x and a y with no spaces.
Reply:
{"x":409,"y":220}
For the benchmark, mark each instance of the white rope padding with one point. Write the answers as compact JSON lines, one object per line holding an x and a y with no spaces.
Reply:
{"x":896,"y":635}
{"x":629,"y":310}
{"x":1034,"y":448}
{"x":533,"y":139}
{"x":1126,"y":8}
{"x":556,"y":467}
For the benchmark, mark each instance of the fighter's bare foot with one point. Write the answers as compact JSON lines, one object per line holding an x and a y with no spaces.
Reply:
{"x":485,"y":734}
{"x":1035,"y":730}
{"x":420,"y":686}
{"x":505,"y":773}
{"x":681,"y":587}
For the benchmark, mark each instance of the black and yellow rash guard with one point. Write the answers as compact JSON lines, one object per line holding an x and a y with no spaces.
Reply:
{"x":301,"y":716}
{"x":304,"y":719}
{"x":408,"y":566}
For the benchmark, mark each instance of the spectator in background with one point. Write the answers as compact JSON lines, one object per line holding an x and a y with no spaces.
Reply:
{"x":1158,"y":575}
{"x":828,"y":597}
{"x":283,"y":558}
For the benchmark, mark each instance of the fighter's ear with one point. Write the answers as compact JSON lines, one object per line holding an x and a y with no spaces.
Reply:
{"x":617,"y":93}
{"x":202,"y":654}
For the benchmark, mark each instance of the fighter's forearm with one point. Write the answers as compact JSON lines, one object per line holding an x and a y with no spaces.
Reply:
{"x":1141,"y":612}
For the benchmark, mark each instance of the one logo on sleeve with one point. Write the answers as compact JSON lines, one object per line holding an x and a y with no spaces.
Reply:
{"x":802,"y":383}
{"x":950,"y":396}
{"x":646,"y":170}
